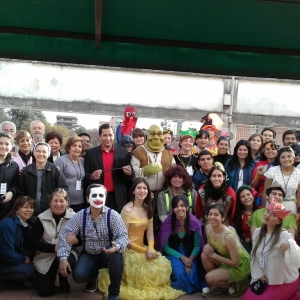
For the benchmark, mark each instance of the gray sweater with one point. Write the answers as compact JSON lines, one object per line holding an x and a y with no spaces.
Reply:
{"x":72,"y":172}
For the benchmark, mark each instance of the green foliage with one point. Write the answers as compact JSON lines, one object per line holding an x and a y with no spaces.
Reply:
{"x":22,"y":118}
{"x":80,"y":129}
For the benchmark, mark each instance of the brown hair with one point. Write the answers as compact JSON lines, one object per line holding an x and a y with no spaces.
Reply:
{"x":22,"y":134}
{"x":52,"y":135}
{"x":138,"y":132}
{"x":20,"y":202}
{"x":60,"y":191}
{"x":71,"y":141}
{"x":181,"y":172}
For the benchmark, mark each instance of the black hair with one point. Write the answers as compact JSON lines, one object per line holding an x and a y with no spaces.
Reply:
{"x":285,"y":149}
{"x":209,"y":189}
{"x":202,"y":132}
{"x":204,"y":152}
{"x":274,"y":145}
{"x":104,"y":126}
{"x":238,"y":216}
{"x":219,"y":207}
{"x":269,"y":129}
{"x":94,"y":185}
{"x":174,"y":203}
{"x":272,"y":188}
{"x":147,"y":205}
{"x":234,"y":160}
{"x":290,"y":131}
{"x":223,"y":138}
{"x":84,"y":134}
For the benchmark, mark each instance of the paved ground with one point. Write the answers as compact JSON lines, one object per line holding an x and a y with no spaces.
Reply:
{"x":77,"y":292}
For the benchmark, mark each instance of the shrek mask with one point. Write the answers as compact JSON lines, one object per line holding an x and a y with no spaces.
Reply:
{"x":155,"y":139}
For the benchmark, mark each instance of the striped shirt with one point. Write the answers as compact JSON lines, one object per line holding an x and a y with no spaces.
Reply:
{"x":96,"y":235}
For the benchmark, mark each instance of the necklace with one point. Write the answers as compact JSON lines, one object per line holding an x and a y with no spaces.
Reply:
{"x":182,"y":223}
{"x":289,"y":176}
{"x":183,"y":160}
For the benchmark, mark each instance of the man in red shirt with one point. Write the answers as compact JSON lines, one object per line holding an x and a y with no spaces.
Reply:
{"x":109,"y":164}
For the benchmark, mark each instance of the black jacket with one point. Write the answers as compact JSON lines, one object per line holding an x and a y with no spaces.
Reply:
{"x":51,"y":179}
{"x":9,"y":174}
{"x":93,"y":161}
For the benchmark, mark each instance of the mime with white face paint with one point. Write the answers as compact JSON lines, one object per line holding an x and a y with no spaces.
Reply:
{"x":100,"y":250}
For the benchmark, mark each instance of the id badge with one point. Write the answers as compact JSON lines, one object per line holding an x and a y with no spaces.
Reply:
{"x":261,"y":262}
{"x":189,"y":169}
{"x":3,"y":188}
{"x":78,"y":185}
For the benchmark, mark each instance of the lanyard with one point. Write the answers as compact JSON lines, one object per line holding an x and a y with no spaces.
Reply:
{"x":78,"y":178}
{"x":265,"y":244}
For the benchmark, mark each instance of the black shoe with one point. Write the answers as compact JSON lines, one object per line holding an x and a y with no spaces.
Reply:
{"x":12,"y":285}
{"x":91,"y":286}
{"x":64,"y":285}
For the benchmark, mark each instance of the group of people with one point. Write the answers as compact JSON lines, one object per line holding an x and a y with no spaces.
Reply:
{"x":145,"y":221}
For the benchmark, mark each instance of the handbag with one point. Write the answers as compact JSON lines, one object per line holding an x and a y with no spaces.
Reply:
{"x":258,"y":286}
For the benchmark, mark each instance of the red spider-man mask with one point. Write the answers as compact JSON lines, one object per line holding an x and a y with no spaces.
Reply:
{"x":129,"y":113}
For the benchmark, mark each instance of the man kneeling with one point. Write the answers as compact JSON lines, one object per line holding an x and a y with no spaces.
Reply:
{"x":104,"y":238}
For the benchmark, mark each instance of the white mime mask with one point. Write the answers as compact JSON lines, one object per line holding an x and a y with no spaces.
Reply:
{"x":97,"y":197}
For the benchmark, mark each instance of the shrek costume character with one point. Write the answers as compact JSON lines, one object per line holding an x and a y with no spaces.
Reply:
{"x":151,"y":160}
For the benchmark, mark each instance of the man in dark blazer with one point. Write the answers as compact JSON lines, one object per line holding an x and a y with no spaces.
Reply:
{"x":109,"y":165}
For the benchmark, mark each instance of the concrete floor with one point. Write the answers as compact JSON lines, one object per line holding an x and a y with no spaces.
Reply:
{"x":77,"y":292}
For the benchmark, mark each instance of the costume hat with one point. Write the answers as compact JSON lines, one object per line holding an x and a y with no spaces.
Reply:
{"x":278,"y":209}
{"x":187,"y":133}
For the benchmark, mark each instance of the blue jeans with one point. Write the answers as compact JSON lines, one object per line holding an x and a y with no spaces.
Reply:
{"x":20,"y":272}
{"x":88,"y":265}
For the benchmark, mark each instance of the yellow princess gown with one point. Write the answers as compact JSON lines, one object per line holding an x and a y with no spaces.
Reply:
{"x":142,"y":279}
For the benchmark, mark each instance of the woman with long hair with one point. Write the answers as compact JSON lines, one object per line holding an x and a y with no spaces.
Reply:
{"x":287,"y":176}
{"x":256,"y":142}
{"x":275,"y":259}
{"x":45,"y":238}
{"x":146,"y":273}
{"x":216,"y":190}
{"x":224,"y":259}
{"x":16,"y":254}
{"x":245,"y":206}
{"x":176,"y":182}
{"x":239,"y":167}
{"x":268,"y":159}
{"x":181,"y":240}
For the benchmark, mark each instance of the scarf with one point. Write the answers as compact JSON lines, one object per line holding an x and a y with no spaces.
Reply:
{"x":25,"y":157}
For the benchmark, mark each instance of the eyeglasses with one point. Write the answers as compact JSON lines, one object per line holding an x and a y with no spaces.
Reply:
{"x":129,"y":114}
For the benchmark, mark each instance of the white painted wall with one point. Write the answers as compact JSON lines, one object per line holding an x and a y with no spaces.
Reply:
{"x":268,"y":98}
{"x":27,"y":80}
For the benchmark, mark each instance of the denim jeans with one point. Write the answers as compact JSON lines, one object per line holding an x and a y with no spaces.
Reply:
{"x":88,"y":265}
{"x":20,"y":272}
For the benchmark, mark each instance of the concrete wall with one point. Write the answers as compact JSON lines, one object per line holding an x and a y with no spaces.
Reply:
{"x":167,"y":95}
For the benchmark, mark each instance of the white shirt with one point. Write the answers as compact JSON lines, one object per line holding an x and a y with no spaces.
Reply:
{"x":279,"y":267}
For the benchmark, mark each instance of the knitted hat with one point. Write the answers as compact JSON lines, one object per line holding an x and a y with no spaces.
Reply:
{"x":278,"y":209}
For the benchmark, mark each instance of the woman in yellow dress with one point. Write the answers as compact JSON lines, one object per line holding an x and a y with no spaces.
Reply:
{"x":146,"y":273}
